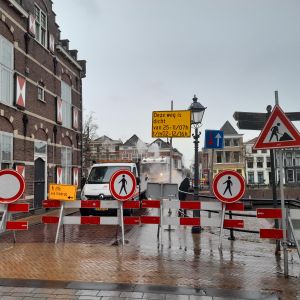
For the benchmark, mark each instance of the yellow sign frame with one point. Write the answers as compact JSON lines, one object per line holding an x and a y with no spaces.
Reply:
{"x":62,"y":192}
{"x":171,"y":124}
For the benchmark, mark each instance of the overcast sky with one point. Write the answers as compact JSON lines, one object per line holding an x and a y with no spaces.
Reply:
{"x":141,"y":54}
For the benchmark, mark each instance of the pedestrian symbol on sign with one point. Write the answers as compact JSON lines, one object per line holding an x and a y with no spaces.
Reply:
{"x":228,"y":183}
{"x":123,"y":186}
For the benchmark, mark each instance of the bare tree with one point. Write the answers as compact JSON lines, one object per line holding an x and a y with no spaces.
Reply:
{"x":89,"y":133}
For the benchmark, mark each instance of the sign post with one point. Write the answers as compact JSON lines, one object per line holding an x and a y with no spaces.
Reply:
{"x":228,"y":187}
{"x":279,"y":133}
{"x":122,"y":186}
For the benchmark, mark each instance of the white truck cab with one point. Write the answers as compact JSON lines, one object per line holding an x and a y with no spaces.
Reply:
{"x":97,"y":184}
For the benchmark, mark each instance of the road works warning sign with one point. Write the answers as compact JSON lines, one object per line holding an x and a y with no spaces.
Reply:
{"x":63,"y":192}
{"x":172,"y":124}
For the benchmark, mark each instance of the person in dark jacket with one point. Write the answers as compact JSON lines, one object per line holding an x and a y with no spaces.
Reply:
{"x":183,"y":189}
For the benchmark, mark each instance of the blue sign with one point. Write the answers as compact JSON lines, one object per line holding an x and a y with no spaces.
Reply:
{"x":214,"y":139}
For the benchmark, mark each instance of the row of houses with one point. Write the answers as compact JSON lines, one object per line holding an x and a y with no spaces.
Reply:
{"x":106,"y":149}
{"x":40,"y":98}
{"x":253,"y":165}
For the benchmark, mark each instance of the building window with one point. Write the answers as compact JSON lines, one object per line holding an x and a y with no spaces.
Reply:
{"x":41,"y":93}
{"x":260,"y":162}
{"x":40,"y":148}
{"x":290,"y":175}
{"x":250,"y":162}
{"x":236,"y":157}
{"x":264,"y":151}
{"x":66,"y":97}
{"x":227,"y":156}
{"x":227,"y":142}
{"x":288,"y":160}
{"x":219,"y":157}
{"x":260,"y":177}
{"x":6,"y":150}
{"x":297,"y":159}
{"x":298,"y":175}
{"x":236,"y":142}
{"x":254,"y":151}
{"x":6,"y":71}
{"x":268,"y":162}
{"x":66,"y":163}
{"x":40,"y":26}
{"x":250,"y":177}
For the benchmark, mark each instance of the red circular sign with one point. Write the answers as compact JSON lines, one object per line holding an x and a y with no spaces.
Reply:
{"x":122,"y":185}
{"x":229,"y":186}
{"x":12,"y":186}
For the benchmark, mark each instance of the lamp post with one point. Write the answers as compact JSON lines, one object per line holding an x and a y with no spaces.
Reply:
{"x":197,"y":112}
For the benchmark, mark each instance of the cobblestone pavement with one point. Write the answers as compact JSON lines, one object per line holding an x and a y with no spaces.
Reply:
{"x":91,"y":254}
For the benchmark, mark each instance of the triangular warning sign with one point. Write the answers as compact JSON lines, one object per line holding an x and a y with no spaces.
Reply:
{"x":278,"y":132}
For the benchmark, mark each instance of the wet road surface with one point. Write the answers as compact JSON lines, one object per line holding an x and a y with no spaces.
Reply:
{"x":90,"y":253}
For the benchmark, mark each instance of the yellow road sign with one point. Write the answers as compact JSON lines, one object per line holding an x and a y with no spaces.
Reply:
{"x":64,"y":192}
{"x":174,"y":123}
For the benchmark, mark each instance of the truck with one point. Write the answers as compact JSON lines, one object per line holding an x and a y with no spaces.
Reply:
{"x":96,"y":186}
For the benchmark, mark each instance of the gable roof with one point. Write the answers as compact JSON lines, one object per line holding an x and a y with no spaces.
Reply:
{"x":228,"y":128}
{"x":252,"y":141}
{"x":132,"y":141}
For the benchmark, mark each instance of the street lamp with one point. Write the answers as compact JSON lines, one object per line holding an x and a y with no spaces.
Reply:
{"x":197,"y":112}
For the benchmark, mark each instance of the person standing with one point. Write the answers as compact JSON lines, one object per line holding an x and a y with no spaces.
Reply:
{"x":183,"y":190}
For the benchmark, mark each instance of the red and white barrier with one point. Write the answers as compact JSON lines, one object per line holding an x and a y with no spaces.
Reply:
{"x":270,"y":213}
{"x":6,"y":222}
{"x":161,"y":219}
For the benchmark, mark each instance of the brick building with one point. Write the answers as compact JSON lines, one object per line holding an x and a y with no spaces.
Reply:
{"x":40,"y":98}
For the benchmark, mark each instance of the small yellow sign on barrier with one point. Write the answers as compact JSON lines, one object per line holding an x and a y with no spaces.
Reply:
{"x":172,"y":124}
{"x":63,"y":192}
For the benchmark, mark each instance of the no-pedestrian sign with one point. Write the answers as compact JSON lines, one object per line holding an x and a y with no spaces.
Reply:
{"x":122,"y":185}
{"x":12,"y":186}
{"x":229,"y":186}
{"x":172,"y":124}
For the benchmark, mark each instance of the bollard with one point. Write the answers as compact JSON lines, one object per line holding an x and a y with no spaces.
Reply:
{"x":231,"y":238}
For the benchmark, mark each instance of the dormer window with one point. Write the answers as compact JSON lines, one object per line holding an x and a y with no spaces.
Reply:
{"x":40,"y":26}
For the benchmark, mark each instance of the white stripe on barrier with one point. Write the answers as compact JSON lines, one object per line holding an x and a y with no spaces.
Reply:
{"x":209,"y":222}
{"x":295,"y":214}
{"x":109,"y":204}
{"x":72,"y":220}
{"x":170,"y":204}
{"x":211,"y":206}
{"x":109,"y":221}
{"x":73,"y":204}
{"x":175,"y":204}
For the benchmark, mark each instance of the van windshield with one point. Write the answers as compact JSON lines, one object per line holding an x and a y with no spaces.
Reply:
{"x":103,"y":174}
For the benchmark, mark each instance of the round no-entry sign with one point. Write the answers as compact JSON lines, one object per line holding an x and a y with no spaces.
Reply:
{"x":12,"y":186}
{"x":122,"y":185}
{"x":229,"y":186}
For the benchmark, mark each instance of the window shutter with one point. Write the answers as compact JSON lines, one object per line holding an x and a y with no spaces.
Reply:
{"x":75,"y":117}
{"x":59,"y":110}
{"x":20,"y":91}
{"x":59,"y":175}
{"x":75,"y":176}
{"x":51,"y":42}
{"x":31,"y":25}
{"x":20,"y":168}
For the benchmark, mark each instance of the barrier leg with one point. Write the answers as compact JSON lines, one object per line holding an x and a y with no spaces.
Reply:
{"x":222,"y":229}
{"x":14,"y":232}
{"x":231,"y":238}
{"x":60,"y":222}
{"x":294,"y":236}
{"x":4,"y":219}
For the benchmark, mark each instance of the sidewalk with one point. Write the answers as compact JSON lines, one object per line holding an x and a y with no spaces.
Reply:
{"x":27,"y":289}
